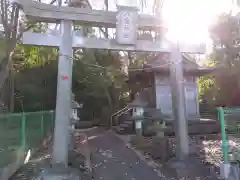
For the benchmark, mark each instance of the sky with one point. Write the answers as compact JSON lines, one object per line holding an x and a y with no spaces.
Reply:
{"x":188,"y":20}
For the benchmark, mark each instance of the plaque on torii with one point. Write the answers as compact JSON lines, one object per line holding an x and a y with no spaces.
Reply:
{"x":127,"y":22}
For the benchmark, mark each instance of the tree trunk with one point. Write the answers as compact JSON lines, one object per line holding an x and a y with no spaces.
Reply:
{"x":10,"y":29}
{"x":12,"y":91}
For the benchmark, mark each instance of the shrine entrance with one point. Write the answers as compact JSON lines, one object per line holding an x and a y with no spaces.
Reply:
{"x":127,"y":22}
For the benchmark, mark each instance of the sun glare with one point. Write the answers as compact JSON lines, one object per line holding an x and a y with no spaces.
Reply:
{"x":188,"y":20}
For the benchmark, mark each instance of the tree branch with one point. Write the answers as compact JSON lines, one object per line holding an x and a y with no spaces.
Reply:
{"x":4,"y":17}
{"x":53,"y":1}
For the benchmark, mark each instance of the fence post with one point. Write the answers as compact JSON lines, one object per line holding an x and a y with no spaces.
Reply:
{"x":224,"y":136}
{"x":52,"y":118}
{"x":23,"y":130}
{"x":225,"y":166}
{"x":42,"y":125}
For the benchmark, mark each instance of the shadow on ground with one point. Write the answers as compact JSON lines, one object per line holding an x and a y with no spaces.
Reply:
{"x":202,"y":164}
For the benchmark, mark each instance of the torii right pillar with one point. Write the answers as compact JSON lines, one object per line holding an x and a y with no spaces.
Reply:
{"x":178,"y":99}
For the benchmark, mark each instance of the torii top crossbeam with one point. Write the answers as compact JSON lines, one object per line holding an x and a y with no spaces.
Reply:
{"x":42,"y":12}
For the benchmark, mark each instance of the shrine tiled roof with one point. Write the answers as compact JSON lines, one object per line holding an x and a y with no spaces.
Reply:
{"x":162,"y":65}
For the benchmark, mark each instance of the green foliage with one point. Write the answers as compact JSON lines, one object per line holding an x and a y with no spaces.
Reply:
{"x":97,"y":78}
{"x":224,"y":88}
{"x":98,"y":81}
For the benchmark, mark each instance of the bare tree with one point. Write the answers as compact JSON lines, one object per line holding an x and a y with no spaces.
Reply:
{"x":9,"y":19}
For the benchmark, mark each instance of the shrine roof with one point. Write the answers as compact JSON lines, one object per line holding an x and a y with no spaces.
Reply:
{"x":162,"y":65}
{"x":198,"y":71}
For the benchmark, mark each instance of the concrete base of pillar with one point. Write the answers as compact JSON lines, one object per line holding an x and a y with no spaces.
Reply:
{"x":60,"y":173}
{"x":178,"y":164}
{"x":224,"y":170}
{"x":184,"y":163}
{"x":139,"y":132}
{"x":230,"y":171}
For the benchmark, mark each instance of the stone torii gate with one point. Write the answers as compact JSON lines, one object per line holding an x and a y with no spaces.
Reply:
{"x":127,"y":22}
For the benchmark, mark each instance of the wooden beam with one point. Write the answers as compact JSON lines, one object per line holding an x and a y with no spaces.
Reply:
{"x":39,"y":39}
{"x":42,"y":12}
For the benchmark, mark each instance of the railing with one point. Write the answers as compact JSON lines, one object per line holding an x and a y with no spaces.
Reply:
{"x":22,"y":131}
{"x":230,"y":133}
{"x":119,"y":113}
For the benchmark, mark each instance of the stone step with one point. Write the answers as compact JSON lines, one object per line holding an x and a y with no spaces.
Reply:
{"x":128,"y":122}
{"x":123,"y":130}
{"x":194,"y":127}
{"x":117,"y":128}
{"x":125,"y":125}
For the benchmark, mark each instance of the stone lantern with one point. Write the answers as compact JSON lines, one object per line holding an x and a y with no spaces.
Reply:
{"x":138,"y":113}
{"x":74,"y":119}
{"x":74,"y":116}
{"x":75,"y":107}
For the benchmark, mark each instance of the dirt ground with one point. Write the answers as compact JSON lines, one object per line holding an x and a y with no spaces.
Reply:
{"x":205,"y":154}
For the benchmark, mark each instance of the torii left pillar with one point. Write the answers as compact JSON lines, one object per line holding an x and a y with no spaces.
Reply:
{"x":63,"y":102}
{"x":60,"y":169}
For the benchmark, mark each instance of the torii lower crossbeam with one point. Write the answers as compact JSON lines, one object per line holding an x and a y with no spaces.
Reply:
{"x":40,"y":39}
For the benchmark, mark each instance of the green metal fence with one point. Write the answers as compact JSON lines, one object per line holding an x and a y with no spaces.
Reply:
{"x":22,"y":131}
{"x":230,"y":133}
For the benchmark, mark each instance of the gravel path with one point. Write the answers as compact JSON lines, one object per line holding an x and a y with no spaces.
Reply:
{"x":111,"y":159}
